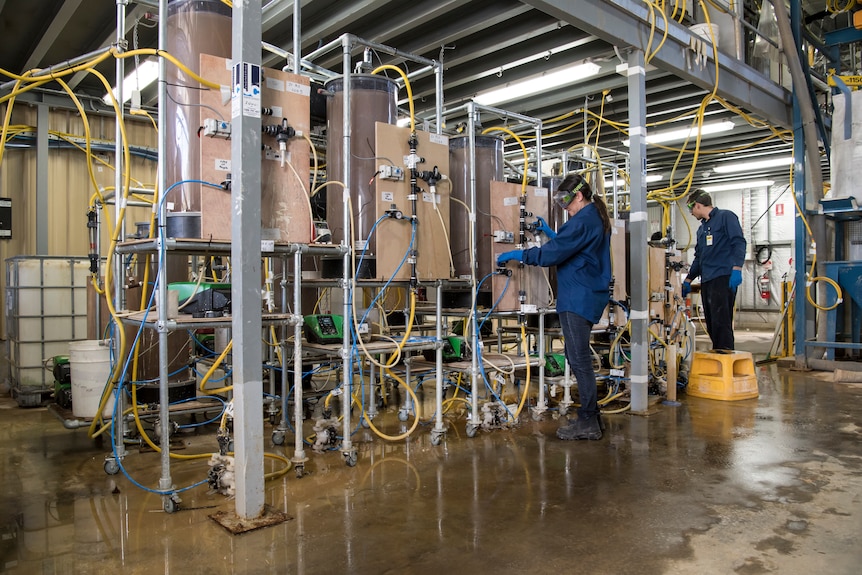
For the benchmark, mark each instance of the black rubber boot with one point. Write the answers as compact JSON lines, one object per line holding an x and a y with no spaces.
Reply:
{"x":581,"y":429}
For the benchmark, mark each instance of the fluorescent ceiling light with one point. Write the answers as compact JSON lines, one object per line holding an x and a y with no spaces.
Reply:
{"x":137,"y":79}
{"x":521,"y":88}
{"x":649,"y":179}
{"x":740,"y":185}
{"x":690,"y":133}
{"x":754,"y":165}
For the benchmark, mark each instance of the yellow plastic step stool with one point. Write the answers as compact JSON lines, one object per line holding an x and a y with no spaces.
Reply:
{"x":726,"y":375}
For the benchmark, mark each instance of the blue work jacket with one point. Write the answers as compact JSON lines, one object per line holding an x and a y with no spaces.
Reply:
{"x":720,"y":246}
{"x":582,"y":253}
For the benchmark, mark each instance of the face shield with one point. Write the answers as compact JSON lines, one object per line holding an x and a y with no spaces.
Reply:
{"x":563,"y":198}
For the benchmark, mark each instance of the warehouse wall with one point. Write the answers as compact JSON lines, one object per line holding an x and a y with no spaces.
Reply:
{"x":69,"y":186}
{"x":767,"y":217}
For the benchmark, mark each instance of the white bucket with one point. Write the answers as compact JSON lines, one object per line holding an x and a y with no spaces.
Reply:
{"x":703,"y":30}
{"x":90,"y":367}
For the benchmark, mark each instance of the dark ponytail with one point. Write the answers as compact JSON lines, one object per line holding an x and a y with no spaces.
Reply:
{"x":576,"y":183}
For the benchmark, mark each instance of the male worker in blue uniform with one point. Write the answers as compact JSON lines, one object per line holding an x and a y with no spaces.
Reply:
{"x":718,"y":258}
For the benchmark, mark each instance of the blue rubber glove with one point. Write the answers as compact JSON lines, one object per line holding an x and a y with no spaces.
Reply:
{"x":735,"y":279}
{"x":686,"y":288}
{"x":514,"y":255}
{"x":542,"y":226}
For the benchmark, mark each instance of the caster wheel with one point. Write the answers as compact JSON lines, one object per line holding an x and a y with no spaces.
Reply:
{"x":350,"y":459}
{"x":300,"y":471}
{"x":278,"y":437}
{"x":537,"y":416}
{"x":436,"y":438}
{"x":471,"y":430}
{"x":230,"y":446}
{"x":365,"y":423}
{"x":111,"y":467}
{"x":402,"y":415}
{"x":171,"y":506}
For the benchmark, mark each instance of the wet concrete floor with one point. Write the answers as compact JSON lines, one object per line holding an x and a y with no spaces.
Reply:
{"x":771,"y":485}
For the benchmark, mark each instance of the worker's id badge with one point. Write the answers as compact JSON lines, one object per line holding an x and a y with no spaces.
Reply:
{"x":709,"y":240}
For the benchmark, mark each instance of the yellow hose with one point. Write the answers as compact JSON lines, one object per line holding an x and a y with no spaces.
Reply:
{"x":406,"y":85}
{"x":523,"y":149}
{"x":211,"y":370}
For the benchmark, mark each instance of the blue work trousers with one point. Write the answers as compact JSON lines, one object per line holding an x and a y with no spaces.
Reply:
{"x":718,"y":299}
{"x":576,"y":331}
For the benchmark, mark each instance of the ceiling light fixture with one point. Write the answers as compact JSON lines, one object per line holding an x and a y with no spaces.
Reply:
{"x":649,"y":179}
{"x":137,"y":79}
{"x":690,"y":133}
{"x":526,"y":87}
{"x":740,"y":185}
{"x":753,"y":165}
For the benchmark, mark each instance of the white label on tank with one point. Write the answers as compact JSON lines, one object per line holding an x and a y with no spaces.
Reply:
{"x":295,"y":88}
{"x":512,"y":201}
{"x":439,"y":139}
{"x":275,"y":84}
{"x":430,"y":198}
{"x":387,"y":196}
{"x":541,"y":192}
{"x":267,"y":246}
{"x":222,"y":165}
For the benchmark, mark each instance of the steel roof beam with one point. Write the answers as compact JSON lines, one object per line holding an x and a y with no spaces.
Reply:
{"x":627,"y":23}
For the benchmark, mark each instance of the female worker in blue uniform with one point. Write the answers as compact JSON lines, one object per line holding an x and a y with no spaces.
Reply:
{"x":581,"y":251}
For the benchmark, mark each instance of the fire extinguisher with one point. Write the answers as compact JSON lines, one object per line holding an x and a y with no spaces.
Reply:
{"x":763,"y":285}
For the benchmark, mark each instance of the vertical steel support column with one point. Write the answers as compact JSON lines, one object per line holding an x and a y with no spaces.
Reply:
{"x":119,"y":200}
{"x":165,"y":481}
{"x":474,"y":359}
{"x":299,"y":449}
{"x":542,"y":401}
{"x":438,"y":359}
{"x":119,"y":181}
{"x":42,"y":113}
{"x":297,"y":38}
{"x":438,"y":78}
{"x":245,"y":258}
{"x":346,"y":356}
{"x":639,"y":230}
{"x":804,"y":314}
{"x":283,"y":424}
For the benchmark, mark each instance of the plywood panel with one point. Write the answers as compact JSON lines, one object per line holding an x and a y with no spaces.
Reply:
{"x":657,"y":291}
{"x":285,"y":208}
{"x":505,"y":215}
{"x":393,"y":236}
{"x":619,"y":259}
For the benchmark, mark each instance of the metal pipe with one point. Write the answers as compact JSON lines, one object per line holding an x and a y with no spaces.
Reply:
{"x":474,"y":360}
{"x":346,"y":357}
{"x":285,"y":388}
{"x":298,"y":449}
{"x":438,"y":360}
{"x":119,"y":425}
{"x":165,"y":482}
{"x":46,"y":73}
{"x":297,"y":40}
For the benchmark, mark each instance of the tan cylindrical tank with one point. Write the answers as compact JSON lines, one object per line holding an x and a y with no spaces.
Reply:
{"x":489,"y":166}
{"x":372,"y":99}
{"x":195,"y":27}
